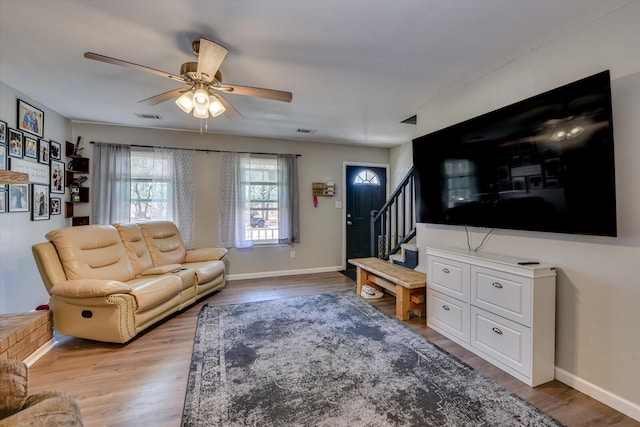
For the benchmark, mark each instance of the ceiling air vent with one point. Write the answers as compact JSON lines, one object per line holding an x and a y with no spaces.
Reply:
{"x":148,"y":116}
{"x":308,"y":131}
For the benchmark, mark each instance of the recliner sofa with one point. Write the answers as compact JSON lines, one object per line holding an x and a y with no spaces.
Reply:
{"x":110,"y":282}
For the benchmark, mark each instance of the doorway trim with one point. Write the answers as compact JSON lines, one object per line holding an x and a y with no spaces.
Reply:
{"x":386,"y":167}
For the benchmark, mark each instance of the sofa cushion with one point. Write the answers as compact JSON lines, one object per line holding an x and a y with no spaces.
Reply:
{"x":135,"y":246}
{"x":13,"y":386}
{"x":206,"y":271}
{"x":152,"y":291}
{"x":164,"y":242}
{"x":92,"y":252}
{"x":205,"y":254}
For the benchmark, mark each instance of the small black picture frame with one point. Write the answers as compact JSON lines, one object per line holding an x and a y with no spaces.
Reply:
{"x":56,"y":150}
{"x":30,"y":147}
{"x":44,"y":151}
{"x":57,"y":176}
{"x":56,"y":205}
{"x":3,"y":132}
{"x":16,"y":146}
{"x":40,"y":202}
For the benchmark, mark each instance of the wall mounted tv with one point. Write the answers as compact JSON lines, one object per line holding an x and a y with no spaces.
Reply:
{"x":542,"y":164}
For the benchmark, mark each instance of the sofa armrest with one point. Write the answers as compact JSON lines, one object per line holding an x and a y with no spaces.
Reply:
{"x":89,"y":288}
{"x":205,"y":254}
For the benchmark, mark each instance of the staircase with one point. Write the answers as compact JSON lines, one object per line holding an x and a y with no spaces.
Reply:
{"x":394,"y":226}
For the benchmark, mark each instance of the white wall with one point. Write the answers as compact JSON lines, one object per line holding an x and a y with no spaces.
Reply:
{"x":598,"y":285}
{"x":21,"y":288}
{"x":320,"y":248}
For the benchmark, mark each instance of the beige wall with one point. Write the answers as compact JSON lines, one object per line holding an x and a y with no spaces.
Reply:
{"x":598,"y":290}
{"x":320,"y":248}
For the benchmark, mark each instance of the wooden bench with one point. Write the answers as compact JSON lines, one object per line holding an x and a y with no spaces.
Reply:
{"x":406,"y":284}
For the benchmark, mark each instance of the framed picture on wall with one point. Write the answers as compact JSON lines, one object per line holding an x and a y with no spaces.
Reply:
{"x":3,"y":201}
{"x":15,"y":143}
{"x":3,"y":132}
{"x":30,"y":147}
{"x":39,"y":202}
{"x":18,"y":198}
{"x":3,"y":158}
{"x":57,"y":176}
{"x":56,"y":206}
{"x":43,"y":151}
{"x":30,"y":119}
{"x":56,"y":150}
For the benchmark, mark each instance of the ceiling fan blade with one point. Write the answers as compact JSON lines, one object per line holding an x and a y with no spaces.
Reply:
{"x":276,"y":95}
{"x":230,"y":111}
{"x":114,"y":61}
{"x":157,"y":99}
{"x":210,"y":57}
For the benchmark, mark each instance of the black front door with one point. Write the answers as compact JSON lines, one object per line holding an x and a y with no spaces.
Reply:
{"x":366,"y":190}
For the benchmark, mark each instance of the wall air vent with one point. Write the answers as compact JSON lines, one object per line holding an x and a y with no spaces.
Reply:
{"x":308,"y":131}
{"x":148,"y":116}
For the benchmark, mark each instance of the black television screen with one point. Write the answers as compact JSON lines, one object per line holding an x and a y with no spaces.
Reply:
{"x":542,"y":164}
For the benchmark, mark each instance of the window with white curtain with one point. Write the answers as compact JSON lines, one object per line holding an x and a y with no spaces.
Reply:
{"x":258,"y":200}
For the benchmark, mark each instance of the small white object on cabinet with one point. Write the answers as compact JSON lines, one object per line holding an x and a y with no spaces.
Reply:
{"x":502,"y":311}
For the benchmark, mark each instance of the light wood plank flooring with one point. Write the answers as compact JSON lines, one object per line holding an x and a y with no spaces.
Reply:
{"x":145,"y":380}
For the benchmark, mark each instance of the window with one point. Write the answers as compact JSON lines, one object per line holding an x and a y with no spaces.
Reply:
{"x":367,"y":177}
{"x":149,"y":186}
{"x":262,"y":225}
{"x":258,"y":200}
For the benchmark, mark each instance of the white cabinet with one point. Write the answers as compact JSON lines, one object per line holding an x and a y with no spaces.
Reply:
{"x":500,"y":310}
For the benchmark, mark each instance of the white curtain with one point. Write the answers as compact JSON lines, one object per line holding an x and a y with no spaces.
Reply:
{"x":288,"y":203}
{"x":173,"y":170}
{"x":111,"y":184}
{"x":234,"y":200}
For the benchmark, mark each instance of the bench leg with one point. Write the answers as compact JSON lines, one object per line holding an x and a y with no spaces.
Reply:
{"x":361,"y":279}
{"x":403,"y":300}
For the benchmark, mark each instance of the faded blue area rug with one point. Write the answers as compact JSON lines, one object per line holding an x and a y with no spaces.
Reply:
{"x":334,"y":360}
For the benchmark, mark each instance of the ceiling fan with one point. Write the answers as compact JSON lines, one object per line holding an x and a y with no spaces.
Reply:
{"x":202,"y":96}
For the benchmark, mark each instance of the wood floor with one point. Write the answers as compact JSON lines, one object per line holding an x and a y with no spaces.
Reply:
{"x":145,"y":380}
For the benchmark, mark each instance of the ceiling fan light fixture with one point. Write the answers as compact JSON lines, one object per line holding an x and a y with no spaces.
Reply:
{"x":215,"y":106}
{"x":201,"y":99}
{"x":185,"y":102}
{"x":201,"y":113}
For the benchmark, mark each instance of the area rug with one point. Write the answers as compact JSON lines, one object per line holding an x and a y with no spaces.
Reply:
{"x":334,"y":360}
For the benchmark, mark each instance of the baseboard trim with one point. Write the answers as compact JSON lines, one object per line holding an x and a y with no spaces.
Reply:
{"x":36,"y":355}
{"x":259,"y":275}
{"x":610,"y":399}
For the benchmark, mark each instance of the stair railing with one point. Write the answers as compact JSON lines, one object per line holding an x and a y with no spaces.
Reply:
{"x":395,"y":223}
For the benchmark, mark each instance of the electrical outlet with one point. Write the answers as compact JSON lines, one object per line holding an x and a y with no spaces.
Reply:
{"x":292,"y":254}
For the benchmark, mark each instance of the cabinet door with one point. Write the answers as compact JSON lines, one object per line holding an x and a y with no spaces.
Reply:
{"x":448,"y":316}
{"x":505,"y":294}
{"x":501,"y":339}
{"x":449,"y":277}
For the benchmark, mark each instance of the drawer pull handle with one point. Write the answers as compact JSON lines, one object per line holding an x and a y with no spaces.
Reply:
{"x":446,"y":307}
{"x":497,"y":331}
{"x":497,"y":285}
{"x":445,"y":270}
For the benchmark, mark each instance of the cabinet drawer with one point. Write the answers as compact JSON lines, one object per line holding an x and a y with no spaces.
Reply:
{"x":505,"y":294}
{"x":448,"y":316}
{"x":449,"y":277}
{"x":503,"y":340}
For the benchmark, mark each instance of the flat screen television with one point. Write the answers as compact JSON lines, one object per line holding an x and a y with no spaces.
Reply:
{"x":542,"y":164}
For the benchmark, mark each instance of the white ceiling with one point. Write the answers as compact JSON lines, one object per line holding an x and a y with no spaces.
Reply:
{"x":356,"y":68}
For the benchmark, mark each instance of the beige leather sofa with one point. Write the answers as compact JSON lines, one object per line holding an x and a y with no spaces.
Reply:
{"x":108,"y":283}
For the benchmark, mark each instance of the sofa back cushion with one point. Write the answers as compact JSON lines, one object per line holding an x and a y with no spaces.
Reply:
{"x":92,"y":252}
{"x":135,"y":246}
{"x":164,"y":242}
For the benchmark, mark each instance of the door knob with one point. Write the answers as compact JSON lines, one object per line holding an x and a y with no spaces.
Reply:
{"x":349,"y":223}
